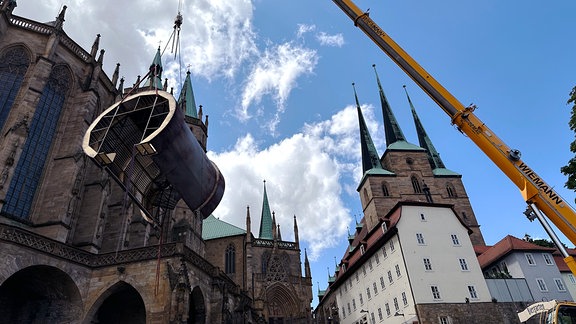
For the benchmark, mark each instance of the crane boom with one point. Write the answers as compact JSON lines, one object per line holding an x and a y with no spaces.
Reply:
{"x":535,"y":191}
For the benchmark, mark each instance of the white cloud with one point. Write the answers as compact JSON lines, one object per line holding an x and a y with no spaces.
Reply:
{"x":330,"y":40}
{"x":275,"y":74}
{"x":304,"y":175}
{"x":303,"y":29}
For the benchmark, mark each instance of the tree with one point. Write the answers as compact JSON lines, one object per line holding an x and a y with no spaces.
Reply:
{"x":570,"y":168}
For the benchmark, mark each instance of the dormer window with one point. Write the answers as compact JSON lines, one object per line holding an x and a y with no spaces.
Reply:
{"x":384,"y":227}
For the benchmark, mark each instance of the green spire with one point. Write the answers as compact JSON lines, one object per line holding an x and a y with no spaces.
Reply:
{"x":266,"y":219}
{"x":391,"y":127}
{"x":155,"y":76}
{"x":423,"y":139}
{"x":186,"y":99}
{"x":370,"y":157}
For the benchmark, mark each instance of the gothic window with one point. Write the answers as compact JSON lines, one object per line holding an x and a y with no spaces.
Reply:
{"x":416,"y":184}
{"x":385,"y":191}
{"x":366,"y":198}
{"x":265,"y":257}
{"x":42,"y":128}
{"x":450,"y":190}
{"x":13,"y":65}
{"x":230,"y":259}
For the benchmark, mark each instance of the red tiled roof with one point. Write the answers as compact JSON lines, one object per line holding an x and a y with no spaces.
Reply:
{"x":505,"y":246}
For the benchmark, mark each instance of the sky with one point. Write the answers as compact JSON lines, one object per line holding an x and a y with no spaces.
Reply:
{"x":275,"y":79}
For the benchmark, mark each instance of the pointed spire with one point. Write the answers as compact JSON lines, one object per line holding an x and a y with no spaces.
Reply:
{"x":155,"y":76}
{"x":186,"y":98}
{"x":296,"y":239}
{"x":423,"y":139}
{"x":307,"y":272}
{"x":274,"y":231}
{"x":370,"y":157}
{"x":116,"y":74}
{"x":95,"y":46}
{"x":279,"y":233}
{"x":266,"y":218}
{"x":391,"y":127}
{"x":58,"y":24}
{"x":248,"y":225}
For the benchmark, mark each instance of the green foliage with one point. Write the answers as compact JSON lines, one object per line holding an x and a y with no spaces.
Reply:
{"x":544,"y":243}
{"x":570,"y":168}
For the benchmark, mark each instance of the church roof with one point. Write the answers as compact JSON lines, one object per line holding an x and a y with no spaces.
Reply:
{"x":266,"y":219}
{"x":404,"y":146}
{"x":155,"y":77}
{"x":186,"y":97}
{"x":213,"y":228}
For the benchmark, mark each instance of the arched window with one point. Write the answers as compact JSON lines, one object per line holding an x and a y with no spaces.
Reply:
{"x":265,"y":258}
{"x":416,"y":184}
{"x":366,"y":197}
{"x":450,"y":190}
{"x":42,"y":128}
{"x":385,"y":191}
{"x":13,"y":65}
{"x":230,"y":259}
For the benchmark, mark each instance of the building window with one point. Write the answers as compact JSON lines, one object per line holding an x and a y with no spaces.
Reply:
{"x":230,"y":259}
{"x":387,"y":309}
{"x":377,"y":258}
{"x":345,"y":287}
{"x":349,"y":310}
{"x":420,"y":238}
{"x":541,"y":284}
{"x":30,"y":166}
{"x":530,"y":258}
{"x":463,"y":265}
{"x":404,"y":299}
{"x":368,"y":293}
{"x":13,"y":65}
{"x":396,"y":306}
{"x":472,"y":291}
{"x":370,"y":264}
{"x":416,"y":184}
{"x":384,"y":253}
{"x":354,"y":303}
{"x":385,"y":191}
{"x":464,"y":215}
{"x":362,"y":249}
{"x":343,"y":312}
{"x":384,"y":227}
{"x":366,"y":198}
{"x":390,"y":276}
{"x":435,"y":292}
{"x":375,"y":288}
{"x":559,"y":284}
{"x":422,"y":217}
{"x":398,"y":274}
{"x":427,"y":264}
{"x":380,"y":317}
{"x":450,"y":190}
{"x":372,"y":317}
{"x":361,"y":299}
{"x":364,"y":270}
{"x":455,"y":240}
{"x":548,"y":258}
{"x":444,"y":320}
{"x":382,"y":283}
{"x":392,"y":247}
{"x":571,"y":277}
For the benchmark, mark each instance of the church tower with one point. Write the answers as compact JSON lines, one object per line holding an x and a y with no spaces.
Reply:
{"x":407,"y":172}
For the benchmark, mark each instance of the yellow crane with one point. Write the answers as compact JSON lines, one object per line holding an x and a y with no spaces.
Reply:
{"x":541,"y":198}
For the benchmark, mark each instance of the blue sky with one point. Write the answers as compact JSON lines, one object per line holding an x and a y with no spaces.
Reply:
{"x":275,"y":78}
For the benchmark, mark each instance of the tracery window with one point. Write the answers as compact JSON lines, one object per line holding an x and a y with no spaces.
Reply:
{"x":230,"y":259}
{"x":42,"y":128}
{"x":13,"y":65}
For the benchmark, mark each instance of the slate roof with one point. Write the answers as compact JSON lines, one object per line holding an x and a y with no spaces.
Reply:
{"x":213,"y":228}
{"x":508,"y":245}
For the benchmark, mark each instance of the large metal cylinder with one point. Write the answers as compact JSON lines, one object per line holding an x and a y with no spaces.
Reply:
{"x":146,"y":146}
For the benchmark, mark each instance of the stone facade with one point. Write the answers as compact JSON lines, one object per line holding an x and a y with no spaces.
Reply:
{"x":74,"y":248}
